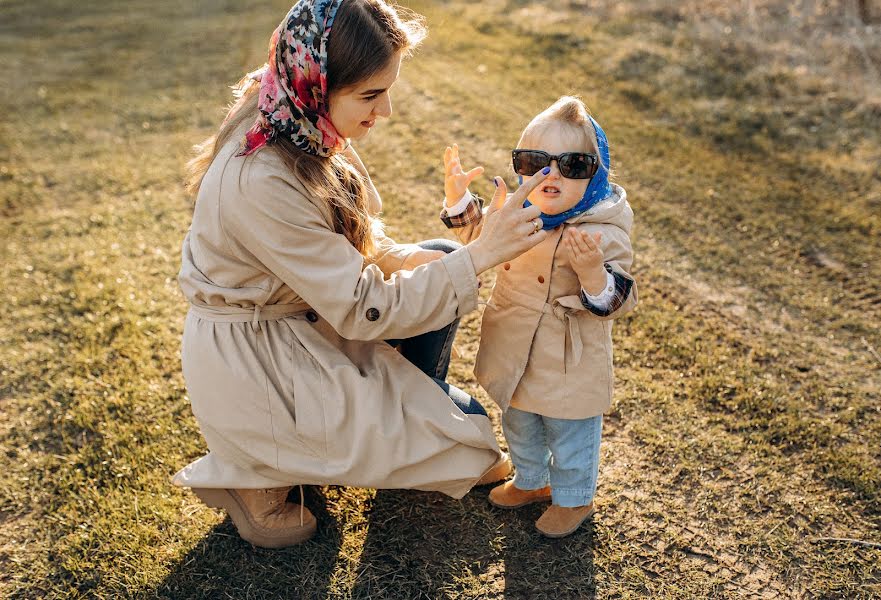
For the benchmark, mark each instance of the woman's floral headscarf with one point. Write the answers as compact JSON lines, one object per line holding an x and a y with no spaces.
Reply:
{"x":293,"y":85}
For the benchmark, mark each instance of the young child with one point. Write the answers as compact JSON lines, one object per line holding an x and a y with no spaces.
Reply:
{"x":545,"y":352}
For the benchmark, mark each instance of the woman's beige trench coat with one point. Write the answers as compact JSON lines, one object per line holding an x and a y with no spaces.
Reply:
{"x":541,"y":350}
{"x":283,"y":352}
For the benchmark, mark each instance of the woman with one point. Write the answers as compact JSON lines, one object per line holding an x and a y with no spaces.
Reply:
{"x":294,"y":291}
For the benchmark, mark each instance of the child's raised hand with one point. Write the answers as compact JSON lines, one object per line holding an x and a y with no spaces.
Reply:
{"x":456,"y":180}
{"x":586,"y":258}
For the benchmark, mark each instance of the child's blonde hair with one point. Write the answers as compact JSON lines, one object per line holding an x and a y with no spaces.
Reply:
{"x":567,"y":110}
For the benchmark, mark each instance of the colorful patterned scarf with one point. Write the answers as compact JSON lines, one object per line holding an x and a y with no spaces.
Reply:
{"x":293,"y":85}
{"x":598,"y":188}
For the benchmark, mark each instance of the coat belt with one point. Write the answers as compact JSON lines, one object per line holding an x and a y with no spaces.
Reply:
{"x":574,"y":345}
{"x":253,"y":314}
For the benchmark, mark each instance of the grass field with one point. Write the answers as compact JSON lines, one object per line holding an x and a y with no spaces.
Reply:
{"x":746,"y":429}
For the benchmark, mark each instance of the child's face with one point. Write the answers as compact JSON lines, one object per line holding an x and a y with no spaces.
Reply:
{"x":556,"y":193}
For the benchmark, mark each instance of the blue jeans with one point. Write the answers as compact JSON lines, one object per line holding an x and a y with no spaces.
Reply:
{"x":564,"y":453}
{"x":431,"y":351}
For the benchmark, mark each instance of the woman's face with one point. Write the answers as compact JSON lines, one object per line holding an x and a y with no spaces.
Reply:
{"x":354,"y":110}
{"x":556,"y":193}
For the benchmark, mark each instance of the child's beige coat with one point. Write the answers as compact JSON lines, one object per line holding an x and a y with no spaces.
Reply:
{"x":541,"y":351}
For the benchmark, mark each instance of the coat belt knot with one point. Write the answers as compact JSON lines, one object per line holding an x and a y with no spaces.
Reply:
{"x":574,"y":345}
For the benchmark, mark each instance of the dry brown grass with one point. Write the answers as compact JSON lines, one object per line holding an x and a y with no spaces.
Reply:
{"x":746,"y":424}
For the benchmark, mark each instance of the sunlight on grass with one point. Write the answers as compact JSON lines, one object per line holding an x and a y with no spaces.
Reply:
{"x":746,"y":422}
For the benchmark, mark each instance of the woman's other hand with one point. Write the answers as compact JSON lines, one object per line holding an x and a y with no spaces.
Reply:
{"x":421,"y":257}
{"x":509,"y":229}
{"x":456,"y":180}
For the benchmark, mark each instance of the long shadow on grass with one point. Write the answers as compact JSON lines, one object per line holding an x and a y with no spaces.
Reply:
{"x":424,"y":545}
{"x":538,"y":568}
{"x":223,"y":565}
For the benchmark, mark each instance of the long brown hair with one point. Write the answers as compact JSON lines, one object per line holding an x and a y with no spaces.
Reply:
{"x":366,"y":35}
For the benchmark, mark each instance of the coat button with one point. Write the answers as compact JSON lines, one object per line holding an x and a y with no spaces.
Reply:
{"x":507,"y":266}
{"x":541,"y":279}
{"x":372,"y":314}
{"x":311,"y":316}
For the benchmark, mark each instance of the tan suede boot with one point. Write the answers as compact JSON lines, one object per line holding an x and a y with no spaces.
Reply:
{"x":263,"y":517}
{"x":508,"y":495}
{"x":560,"y":521}
{"x":498,"y":472}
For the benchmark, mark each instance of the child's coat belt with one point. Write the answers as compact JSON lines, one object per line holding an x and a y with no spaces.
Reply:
{"x":574,"y":345}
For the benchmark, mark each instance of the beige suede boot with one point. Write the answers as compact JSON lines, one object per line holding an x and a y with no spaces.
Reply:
{"x":263,"y":517}
{"x":498,"y":472}
{"x":560,"y":521}
{"x":508,"y":495}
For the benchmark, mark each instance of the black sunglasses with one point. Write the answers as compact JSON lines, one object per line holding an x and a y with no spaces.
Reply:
{"x":573,"y":165}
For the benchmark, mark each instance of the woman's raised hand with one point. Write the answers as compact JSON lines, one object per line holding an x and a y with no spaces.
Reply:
{"x":509,"y":229}
{"x":456,"y":180}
